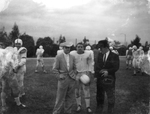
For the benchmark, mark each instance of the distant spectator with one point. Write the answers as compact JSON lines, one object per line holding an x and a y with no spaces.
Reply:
{"x":114,"y":51}
{"x":39,"y":54}
{"x":129,"y":58}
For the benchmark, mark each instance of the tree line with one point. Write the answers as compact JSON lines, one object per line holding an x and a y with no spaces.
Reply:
{"x":51,"y":48}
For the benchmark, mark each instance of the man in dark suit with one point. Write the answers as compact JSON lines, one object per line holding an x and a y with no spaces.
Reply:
{"x":108,"y":64}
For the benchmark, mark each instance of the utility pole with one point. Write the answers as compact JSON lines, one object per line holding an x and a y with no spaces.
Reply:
{"x":75,"y":41}
{"x":125,"y":41}
{"x":53,"y":39}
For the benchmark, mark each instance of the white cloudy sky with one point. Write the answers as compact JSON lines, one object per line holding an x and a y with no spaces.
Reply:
{"x":95,"y":19}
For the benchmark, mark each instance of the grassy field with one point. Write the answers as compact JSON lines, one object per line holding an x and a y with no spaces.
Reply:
{"x":132,"y":92}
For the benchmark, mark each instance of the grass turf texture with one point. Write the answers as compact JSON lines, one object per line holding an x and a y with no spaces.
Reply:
{"x":132,"y":92}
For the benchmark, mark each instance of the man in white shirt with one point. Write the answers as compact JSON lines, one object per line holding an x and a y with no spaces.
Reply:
{"x":84,"y":64}
{"x":39,"y":54}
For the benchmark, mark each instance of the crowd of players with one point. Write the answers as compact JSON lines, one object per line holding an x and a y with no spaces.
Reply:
{"x":138,"y":60}
{"x":85,"y":61}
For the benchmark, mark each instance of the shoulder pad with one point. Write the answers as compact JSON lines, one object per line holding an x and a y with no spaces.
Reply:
{"x":22,"y":50}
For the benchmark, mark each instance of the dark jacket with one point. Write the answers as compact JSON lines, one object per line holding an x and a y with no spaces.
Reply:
{"x":111,"y":65}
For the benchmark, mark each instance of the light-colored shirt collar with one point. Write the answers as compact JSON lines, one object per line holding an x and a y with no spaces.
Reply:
{"x":65,"y":53}
{"x":107,"y":53}
{"x":67,"y":59}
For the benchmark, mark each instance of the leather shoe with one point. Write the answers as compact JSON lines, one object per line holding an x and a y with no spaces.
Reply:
{"x":21,"y":106}
{"x":78,"y":108}
{"x":89,"y":111}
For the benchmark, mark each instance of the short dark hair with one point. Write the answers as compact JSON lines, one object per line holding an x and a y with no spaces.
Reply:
{"x":103,"y":43}
{"x":80,"y":43}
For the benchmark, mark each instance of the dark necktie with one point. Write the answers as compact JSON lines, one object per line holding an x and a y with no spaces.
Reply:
{"x":104,"y":58}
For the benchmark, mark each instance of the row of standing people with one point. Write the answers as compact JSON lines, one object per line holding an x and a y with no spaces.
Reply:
{"x":69,"y":67}
{"x":21,"y":53}
{"x":138,"y":60}
{"x":78,"y":63}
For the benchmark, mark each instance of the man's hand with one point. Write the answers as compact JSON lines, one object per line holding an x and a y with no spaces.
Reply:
{"x":104,"y":72}
{"x":61,"y":77}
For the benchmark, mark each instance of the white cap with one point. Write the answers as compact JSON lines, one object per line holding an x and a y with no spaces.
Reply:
{"x":141,"y":47}
{"x":88,"y":48}
{"x":18,"y":41}
{"x":134,"y":47}
{"x":66,"y":44}
{"x":111,"y":48}
{"x":41,"y":47}
{"x":130,"y":47}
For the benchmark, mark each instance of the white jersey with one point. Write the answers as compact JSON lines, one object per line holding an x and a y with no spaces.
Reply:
{"x":136,"y":54}
{"x":22,"y":54}
{"x":39,"y":53}
{"x":141,"y":56}
{"x":83,"y":61}
{"x":60,"y":52}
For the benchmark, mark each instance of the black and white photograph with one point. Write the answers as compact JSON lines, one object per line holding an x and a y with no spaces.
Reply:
{"x":74,"y":56}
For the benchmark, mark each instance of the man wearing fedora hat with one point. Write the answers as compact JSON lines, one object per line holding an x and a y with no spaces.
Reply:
{"x":106,"y":67}
{"x":65,"y":70}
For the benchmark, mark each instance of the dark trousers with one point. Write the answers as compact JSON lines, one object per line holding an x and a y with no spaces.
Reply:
{"x":110,"y":92}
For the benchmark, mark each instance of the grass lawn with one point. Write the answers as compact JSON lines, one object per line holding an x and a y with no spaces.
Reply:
{"x":132,"y":92}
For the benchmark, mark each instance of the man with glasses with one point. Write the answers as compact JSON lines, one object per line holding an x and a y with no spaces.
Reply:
{"x":107,"y":65}
{"x":65,"y":70}
{"x":84,"y":64}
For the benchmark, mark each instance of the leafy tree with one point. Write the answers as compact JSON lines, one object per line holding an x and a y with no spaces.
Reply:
{"x":28,"y":42}
{"x":3,"y":36}
{"x":136,"y":41}
{"x":94,"y":46}
{"x":146,"y":43}
{"x":61,"y":39}
{"x":85,"y":40}
{"x":146,"y":47}
{"x":39,"y":42}
{"x":73,"y":48}
{"x":48,"y":41}
{"x":14,"y":34}
{"x":55,"y":48}
{"x":122,"y":50}
{"x":4,"y":39}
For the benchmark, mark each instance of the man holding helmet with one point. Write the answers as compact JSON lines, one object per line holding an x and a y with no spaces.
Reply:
{"x":107,"y":65}
{"x":85,"y":68}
